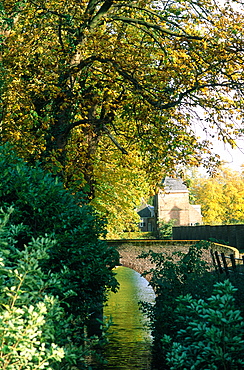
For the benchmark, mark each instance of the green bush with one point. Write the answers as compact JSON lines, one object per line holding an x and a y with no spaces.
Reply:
{"x":35,"y":331}
{"x":28,"y":315}
{"x":165,"y":229}
{"x":175,"y":274}
{"x":211,"y":334}
{"x":82,"y":263}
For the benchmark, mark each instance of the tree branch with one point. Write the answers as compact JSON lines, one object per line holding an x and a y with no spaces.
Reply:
{"x":104,"y":128}
{"x":155,"y":27}
{"x":91,"y":7}
{"x":112,"y":138}
{"x":103,"y":10}
{"x":157,"y":103}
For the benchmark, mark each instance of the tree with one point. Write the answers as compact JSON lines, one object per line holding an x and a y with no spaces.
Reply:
{"x":93,"y":79}
{"x":221,"y":197}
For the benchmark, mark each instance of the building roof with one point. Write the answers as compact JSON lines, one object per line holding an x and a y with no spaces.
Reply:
{"x":174,"y":185}
{"x":146,"y":211}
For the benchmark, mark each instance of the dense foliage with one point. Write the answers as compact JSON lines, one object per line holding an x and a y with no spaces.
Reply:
{"x":82,"y":263}
{"x":211,"y":334}
{"x":221,"y":197}
{"x":104,"y":92}
{"x":173,"y":275}
{"x":165,"y":229}
{"x":197,"y":317}
{"x":28,"y":315}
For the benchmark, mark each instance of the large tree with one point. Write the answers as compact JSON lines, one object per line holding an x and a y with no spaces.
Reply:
{"x":87,"y":85}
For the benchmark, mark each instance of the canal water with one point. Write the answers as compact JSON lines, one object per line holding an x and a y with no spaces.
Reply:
{"x":130,"y":340}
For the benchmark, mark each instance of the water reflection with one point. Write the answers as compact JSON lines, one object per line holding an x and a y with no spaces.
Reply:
{"x":130,"y":339}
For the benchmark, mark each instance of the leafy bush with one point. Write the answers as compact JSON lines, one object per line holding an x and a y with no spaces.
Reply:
{"x":136,"y":235}
{"x":82,"y":263}
{"x":175,"y":274}
{"x":165,"y":229}
{"x":35,"y":331}
{"x":28,"y":316}
{"x":211,"y":334}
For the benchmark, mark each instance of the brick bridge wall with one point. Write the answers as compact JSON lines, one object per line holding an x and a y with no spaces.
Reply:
{"x":129,"y":250}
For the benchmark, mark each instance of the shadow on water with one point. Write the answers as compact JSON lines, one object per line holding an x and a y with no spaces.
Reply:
{"x":130,"y":340}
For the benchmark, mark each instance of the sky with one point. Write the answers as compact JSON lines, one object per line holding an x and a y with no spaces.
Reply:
{"x":234,"y":158}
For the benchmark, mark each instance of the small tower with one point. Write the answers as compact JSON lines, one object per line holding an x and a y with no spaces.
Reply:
{"x":172,"y":203}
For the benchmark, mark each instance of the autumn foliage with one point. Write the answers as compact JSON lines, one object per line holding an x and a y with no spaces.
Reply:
{"x":221,"y":197}
{"x":104,"y":93}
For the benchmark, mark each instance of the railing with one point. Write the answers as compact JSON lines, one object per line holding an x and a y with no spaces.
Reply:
{"x":227,"y":264}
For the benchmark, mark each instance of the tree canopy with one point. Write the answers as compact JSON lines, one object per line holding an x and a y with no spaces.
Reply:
{"x":95,"y":90}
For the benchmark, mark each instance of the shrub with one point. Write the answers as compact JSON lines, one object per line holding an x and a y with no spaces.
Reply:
{"x":211,"y":334}
{"x":82,"y":263}
{"x":175,"y":274}
{"x":165,"y":229}
{"x":35,"y":331}
{"x":27,"y":314}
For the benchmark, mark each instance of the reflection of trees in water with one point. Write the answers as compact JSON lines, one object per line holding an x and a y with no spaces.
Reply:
{"x":129,"y":340}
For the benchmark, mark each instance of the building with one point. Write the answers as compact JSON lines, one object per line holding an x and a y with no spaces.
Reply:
{"x":147,"y":215}
{"x":171,"y":203}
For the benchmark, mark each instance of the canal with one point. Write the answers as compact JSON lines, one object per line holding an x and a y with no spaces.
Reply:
{"x":130,"y":340}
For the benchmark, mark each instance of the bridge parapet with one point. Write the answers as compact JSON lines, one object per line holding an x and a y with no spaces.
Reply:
{"x":130,"y":249}
{"x":225,"y":249}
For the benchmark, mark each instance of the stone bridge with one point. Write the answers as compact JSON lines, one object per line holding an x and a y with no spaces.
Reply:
{"x":129,"y":251}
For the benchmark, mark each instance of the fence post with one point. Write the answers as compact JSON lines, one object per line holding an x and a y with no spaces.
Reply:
{"x":214,"y":262}
{"x":224,"y":263}
{"x":233,"y":261}
{"x":218,"y":262}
